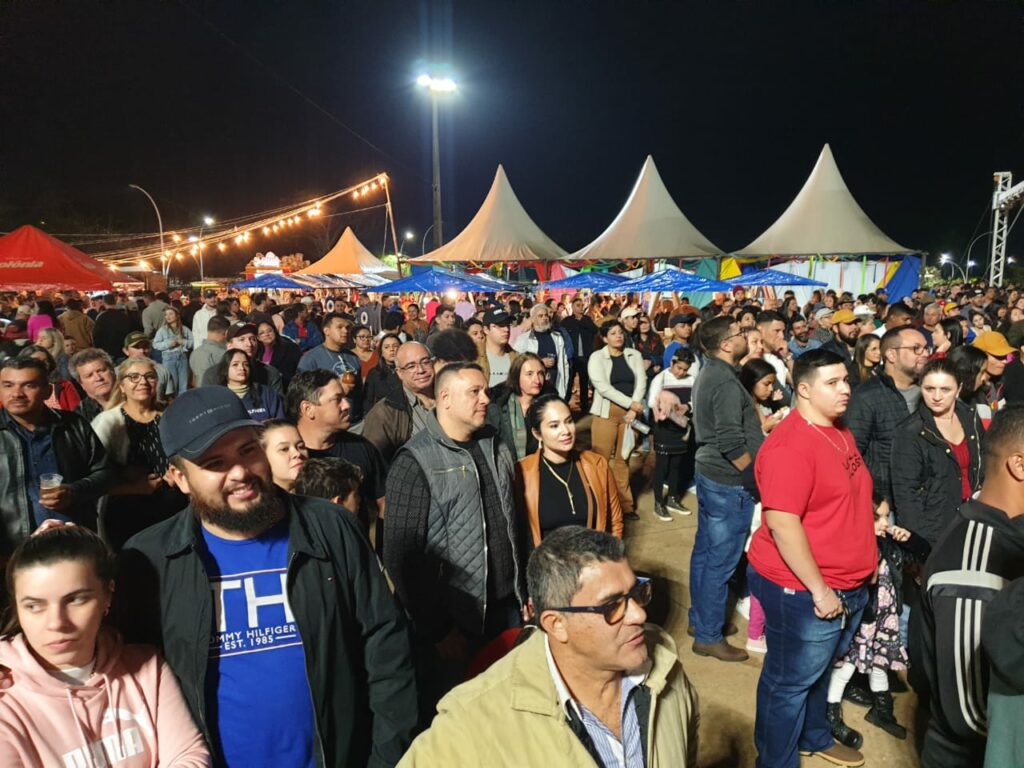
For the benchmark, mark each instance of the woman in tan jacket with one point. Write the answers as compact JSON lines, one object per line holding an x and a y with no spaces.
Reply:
{"x":558,"y":485}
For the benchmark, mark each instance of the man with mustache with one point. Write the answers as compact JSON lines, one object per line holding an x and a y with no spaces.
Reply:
{"x":810,"y":562}
{"x":36,"y":441}
{"x":450,"y":540}
{"x":551,"y":345}
{"x":270,"y":608}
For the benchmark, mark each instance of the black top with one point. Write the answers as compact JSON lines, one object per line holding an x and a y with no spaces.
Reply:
{"x":554,"y":507}
{"x":144,"y":447}
{"x":357,"y":450}
{"x":622,"y":377}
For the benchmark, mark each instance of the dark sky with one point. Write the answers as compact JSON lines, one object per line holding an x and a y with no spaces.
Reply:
{"x":230,"y":108}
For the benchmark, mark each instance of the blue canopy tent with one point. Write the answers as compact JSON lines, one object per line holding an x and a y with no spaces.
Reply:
{"x":594,"y":281}
{"x":272,"y":282}
{"x":439,"y":280}
{"x":764,"y":278}
{"x":670,"y":280}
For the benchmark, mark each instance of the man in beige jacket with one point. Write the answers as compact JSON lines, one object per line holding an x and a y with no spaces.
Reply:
{"x":594,"y":685}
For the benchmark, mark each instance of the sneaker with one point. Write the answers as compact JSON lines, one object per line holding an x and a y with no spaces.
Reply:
{"x":661,"y":513}
{"x":757,"y":644}
{"x":743,"y":607}
{"x":839,"y":754}
{"x":676,"y":505}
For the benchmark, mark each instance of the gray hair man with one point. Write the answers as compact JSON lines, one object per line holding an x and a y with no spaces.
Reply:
{"x":594,"y":679}
{"x":551,"y":345}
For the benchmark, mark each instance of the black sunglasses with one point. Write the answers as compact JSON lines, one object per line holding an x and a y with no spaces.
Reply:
{"x":614,"y":611}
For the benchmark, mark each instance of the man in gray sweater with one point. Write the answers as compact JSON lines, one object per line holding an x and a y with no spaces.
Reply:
{"x":728,"y":433}
{"x":211,"y":350}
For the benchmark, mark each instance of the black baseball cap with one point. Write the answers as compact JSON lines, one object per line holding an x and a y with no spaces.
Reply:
{"x":497,"y":317}
{"x":683,"y":318}
{"x":241,"y":329}
{"x":209,"y":293}
{"x":199,"y":418}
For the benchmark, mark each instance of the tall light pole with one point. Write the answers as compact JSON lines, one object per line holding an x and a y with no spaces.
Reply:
{"x":208,"y":221}
{"x":160,"y":223}
{"x":947,"y":259}
{"x":435,"y":87}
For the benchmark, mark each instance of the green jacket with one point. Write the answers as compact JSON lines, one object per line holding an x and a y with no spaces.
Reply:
{"x":510,"y":716}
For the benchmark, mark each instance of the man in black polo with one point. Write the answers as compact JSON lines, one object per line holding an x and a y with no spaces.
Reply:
{"x":582,"y":331}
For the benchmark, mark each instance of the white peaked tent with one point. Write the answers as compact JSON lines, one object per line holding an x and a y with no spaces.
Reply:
{"x":501,"y":230}
{"x":823,"y":219}
{"x":649,"y":226}
{"x":349,"y":257}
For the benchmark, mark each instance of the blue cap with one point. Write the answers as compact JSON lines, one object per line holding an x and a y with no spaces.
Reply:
{"x":199,"y":418}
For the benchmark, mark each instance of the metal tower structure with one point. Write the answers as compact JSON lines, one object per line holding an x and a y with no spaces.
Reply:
{"x":1005,"y":198}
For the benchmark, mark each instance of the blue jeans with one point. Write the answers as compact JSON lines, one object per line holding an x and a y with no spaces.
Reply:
{"x":724,"y":513}
{"x":177,"y":372}
{"x":793,"y":688}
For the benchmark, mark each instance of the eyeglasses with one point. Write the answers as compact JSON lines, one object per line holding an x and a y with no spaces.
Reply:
{"x":917,"y":349}
{"x":135,"y":378}
{"x":423,"y":364}
{"x":614,"y":611}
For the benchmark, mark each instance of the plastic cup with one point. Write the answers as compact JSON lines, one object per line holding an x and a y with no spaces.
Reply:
{"x":50,"y":480}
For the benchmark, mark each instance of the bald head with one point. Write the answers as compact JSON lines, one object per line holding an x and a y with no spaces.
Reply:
{"x":415,"y":367}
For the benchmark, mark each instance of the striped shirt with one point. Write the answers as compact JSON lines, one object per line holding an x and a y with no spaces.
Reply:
{"x":627,"y":753}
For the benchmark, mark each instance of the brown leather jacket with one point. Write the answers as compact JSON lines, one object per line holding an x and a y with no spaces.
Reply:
{"x":604,"y":512}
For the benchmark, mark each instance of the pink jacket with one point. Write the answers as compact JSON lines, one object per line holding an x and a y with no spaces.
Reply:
{"x":130,"y":713}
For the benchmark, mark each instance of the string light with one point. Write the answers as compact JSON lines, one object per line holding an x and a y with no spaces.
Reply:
{"x":221,"y":247}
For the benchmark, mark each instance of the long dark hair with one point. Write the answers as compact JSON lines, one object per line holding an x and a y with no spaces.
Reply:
{"x":860,"y":350}
{"x":952,"y":328}
{"x":225,"y":364}
{"x":45,"y":307}
{"x":57,"y":545}
{"x":969,"y":362}
{"x":753,"y":371}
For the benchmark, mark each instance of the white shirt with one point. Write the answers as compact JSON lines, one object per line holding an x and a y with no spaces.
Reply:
{"x":199,"y":322}
{"x":499,"y":365}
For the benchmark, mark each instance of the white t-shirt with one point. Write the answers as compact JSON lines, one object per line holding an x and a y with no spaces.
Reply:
{"x":499,"y":365}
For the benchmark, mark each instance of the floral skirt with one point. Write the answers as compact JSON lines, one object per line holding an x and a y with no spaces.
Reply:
{"x":877,"y":642}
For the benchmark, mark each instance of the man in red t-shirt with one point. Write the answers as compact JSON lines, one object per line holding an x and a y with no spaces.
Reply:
{"x":810,"y":562}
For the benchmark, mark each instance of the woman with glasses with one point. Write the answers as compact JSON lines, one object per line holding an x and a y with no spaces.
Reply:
{"x":234,"y":371}
{"x":649,"y":342}
{"x":278,"y":351}
{"x":384,"y":374}
{"x":64,"y":396}
{"x":510,"y":402}
{"x":559,"y":485}
{"x":174,"y":341}
{"x":129,"y":429}
{"x":363,"y":349}
{"x":867,"y":354}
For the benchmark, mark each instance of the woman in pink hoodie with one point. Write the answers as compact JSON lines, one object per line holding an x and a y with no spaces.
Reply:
{"x":79,"y":698}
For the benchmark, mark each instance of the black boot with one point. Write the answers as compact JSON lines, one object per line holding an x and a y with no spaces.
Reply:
{"x":841,"y":732}
{"x":881,"y":714}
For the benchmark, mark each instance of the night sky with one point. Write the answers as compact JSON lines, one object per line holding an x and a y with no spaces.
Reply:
{"x":229,"y":108}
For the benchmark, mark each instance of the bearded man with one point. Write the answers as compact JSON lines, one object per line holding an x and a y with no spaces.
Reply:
{"x":271,"y":609}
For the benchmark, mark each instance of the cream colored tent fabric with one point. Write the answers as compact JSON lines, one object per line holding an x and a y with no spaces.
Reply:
{"x":502,"y":230}
{"x":823,"y":219}
{"x":349,"y":257}
{"x":649,"y":226}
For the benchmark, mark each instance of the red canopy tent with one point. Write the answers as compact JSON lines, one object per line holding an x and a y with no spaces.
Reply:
{"x":31,"y":260}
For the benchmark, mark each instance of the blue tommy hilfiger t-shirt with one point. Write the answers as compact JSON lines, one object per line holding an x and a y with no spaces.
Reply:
{"x":257,"y":693}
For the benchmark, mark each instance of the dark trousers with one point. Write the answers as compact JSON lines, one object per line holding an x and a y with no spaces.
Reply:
{"x":668,"y":469}
{"x":579,"y":368}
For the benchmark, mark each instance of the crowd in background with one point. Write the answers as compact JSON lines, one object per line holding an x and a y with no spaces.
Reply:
{"x":370,"y":502}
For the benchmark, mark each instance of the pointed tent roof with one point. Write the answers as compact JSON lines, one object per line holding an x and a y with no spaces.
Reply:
{"x":348,"y":256}
{"x":30,"y":260}
{"x":649,"y":226}
{"x":823,"y":219}
{"x":501,"y":230}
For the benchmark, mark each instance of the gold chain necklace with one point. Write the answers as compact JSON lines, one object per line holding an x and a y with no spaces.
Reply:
{"x":568,"y":490}
{"x":844,"y":449}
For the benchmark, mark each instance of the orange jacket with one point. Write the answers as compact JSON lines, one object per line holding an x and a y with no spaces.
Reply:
{"x":604,"y":512}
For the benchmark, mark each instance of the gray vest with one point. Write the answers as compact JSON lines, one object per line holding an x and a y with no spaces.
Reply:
{"x":456,"y":525}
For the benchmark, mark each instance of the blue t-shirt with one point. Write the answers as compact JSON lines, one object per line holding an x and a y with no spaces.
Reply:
{"x":257,"y":694}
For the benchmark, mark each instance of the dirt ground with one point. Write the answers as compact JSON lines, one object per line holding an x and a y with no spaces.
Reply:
{"x":727,"y":690}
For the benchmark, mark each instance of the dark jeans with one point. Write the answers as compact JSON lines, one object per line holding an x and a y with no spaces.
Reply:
{"x":793,"y":688}
{"x":724,"y":513}
{"x":579,"y":368}
{"x":668,"y":468}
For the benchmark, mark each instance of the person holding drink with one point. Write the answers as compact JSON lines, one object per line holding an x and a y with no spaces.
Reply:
{"x":53,"y":464}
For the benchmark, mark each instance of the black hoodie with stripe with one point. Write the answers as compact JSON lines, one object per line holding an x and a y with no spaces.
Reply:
{"x":980,"y":552}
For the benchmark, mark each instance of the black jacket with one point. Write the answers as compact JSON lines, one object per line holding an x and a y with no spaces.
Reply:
{"x":876,"y":409}
{"x":837,"y":346}
{"x":112,"y":325}
{"x":378,"y":383}
{"x":979,"y":554}
{"x":285,"y":358}
{"x":498,"y":417}
{"x":354,"y":635}
{"x":582,"y":333}
{"x":926,"y":479}
{"x":82,"y":462}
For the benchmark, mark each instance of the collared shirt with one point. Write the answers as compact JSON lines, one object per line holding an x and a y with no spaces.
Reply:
{"x":419,"y":413}
{"x":627,"y":753}
{"x":40,"y":459}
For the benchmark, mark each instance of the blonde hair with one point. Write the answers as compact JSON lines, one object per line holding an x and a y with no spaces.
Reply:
{"x":117,"y":397}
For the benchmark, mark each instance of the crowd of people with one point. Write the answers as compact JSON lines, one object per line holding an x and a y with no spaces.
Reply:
{"x":380,"y":512}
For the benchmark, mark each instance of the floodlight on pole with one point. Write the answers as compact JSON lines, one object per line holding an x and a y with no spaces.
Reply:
{"x":159,"y":220}
{"x":436,"y":86}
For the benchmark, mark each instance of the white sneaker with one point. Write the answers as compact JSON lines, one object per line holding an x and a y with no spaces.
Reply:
{"x":743,"y":607}
{"x":757,"y":645}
